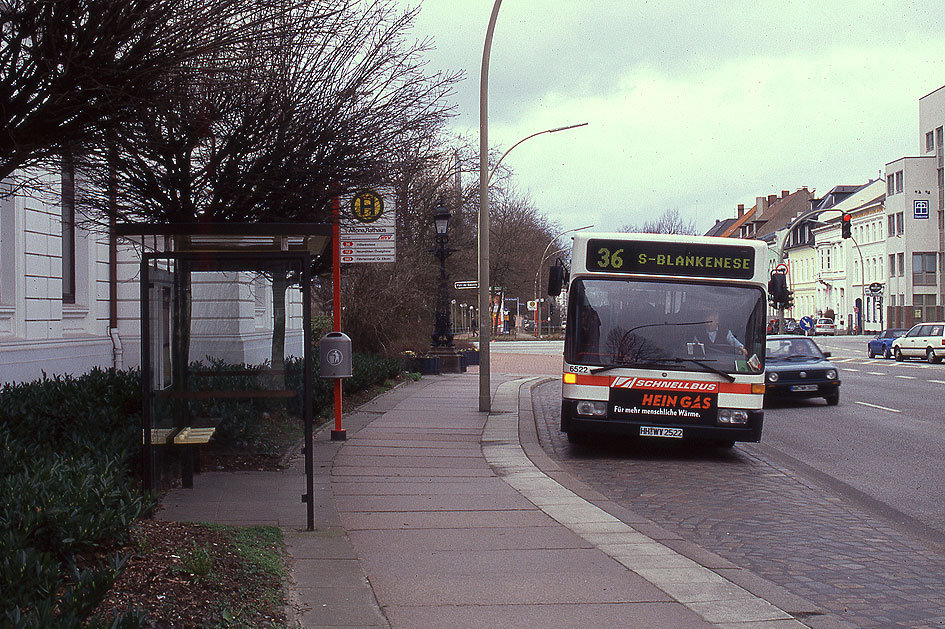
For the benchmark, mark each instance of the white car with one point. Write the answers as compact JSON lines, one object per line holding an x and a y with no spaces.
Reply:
{"x":923,"y":340}
{"x":823,"y":326}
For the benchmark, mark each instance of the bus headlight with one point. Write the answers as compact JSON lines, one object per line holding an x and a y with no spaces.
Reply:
{"x":733,"y":416}
{"x":590,"y":408}
{"x":831,"y":374}
{"x":772,"y":376}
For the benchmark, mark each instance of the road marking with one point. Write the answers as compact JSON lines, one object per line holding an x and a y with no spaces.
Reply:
{"x":880,"y":373}
{"x":848,"y":369}
{"x":938,"y":381}
{"x":882,"y":408}
{"x":906,"y":377}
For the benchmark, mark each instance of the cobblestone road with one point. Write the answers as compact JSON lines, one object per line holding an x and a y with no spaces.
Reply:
{"x":764,"y":518}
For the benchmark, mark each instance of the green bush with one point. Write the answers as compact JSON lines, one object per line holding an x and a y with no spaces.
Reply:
{"x":66,"y":448}
{"x":69,"y":453}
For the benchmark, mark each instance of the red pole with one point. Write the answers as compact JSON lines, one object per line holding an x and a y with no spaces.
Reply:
{"x":338,"y":434}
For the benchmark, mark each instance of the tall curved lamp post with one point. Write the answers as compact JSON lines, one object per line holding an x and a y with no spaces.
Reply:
{"x":485,"y":400}
{"x":485,"y":318}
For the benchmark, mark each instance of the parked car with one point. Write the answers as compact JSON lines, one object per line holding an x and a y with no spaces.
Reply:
{"x":795,"y":367}
{"x":823,"y":326}
{"x":923,"y":340}
{"x":791,"y":326}
{"x":881,"y":344}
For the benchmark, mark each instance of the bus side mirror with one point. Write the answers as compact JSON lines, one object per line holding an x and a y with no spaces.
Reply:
{"x":557,"y":276}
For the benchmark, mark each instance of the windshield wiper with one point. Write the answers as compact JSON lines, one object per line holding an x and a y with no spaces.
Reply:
{"x":705,"y":365}
{"x":649,"y":362}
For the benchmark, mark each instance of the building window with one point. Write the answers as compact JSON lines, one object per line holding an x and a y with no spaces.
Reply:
{"x":929,"y":142}
{"x":892,"y":265}
{"x":890,"y":185}
{"x":898,"y":181}
{"x":901,"y":258}
{"x":924,"y":306}
{"x":900,"y":223}
{"x":923,"y":269}
{"x":891,"y":228}
{"x":68,"y":230}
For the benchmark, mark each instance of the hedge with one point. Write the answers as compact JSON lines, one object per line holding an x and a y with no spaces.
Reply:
{"x":69,"y":461}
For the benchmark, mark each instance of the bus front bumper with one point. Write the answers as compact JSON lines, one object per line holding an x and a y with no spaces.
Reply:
{"x":751,"y":431}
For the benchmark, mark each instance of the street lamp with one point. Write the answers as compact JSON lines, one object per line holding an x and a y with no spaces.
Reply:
{"x":485,"y":393}
{"x":442,"y":327}
{"x":529,"y":137}
{"x":541,"y":263}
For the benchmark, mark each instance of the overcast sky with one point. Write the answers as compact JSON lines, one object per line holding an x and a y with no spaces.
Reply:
{"x":695,"y":106}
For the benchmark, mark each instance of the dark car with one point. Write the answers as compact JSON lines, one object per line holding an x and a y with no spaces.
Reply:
{"x":791,"y":326}
{"x":881,"y":345}
{"x":796,"y":368}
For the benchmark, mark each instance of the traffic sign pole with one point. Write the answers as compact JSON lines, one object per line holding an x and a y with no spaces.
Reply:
{"x":338,"y":434}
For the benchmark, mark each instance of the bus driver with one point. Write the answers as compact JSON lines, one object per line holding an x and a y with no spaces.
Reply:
{"x":712,"y":335}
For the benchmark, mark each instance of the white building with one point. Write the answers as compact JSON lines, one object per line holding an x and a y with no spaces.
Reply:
{"x":914,"y":214}
{"x":69,"y":299}
{"x":847,"y":266}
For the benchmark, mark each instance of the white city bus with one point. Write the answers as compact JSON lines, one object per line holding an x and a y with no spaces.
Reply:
{"x":665,"y":337}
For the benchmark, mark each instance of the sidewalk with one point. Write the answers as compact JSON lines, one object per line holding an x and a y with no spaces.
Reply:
{"x":432,"y":515}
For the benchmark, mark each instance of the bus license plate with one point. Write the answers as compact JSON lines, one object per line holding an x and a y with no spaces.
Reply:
{"x":653,"y":431}
{"x":804,"y":387}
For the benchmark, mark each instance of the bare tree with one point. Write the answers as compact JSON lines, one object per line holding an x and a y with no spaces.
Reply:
{"x":305,"y":109}
{"x":669,"y":222}
{"x":519,"y":235}
{"x":303,"y":112}
{"x":71,"y":67}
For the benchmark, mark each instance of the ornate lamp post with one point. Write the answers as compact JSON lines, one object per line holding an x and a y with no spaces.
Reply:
{"x":442,"y":326}
{"x":442,"y":337}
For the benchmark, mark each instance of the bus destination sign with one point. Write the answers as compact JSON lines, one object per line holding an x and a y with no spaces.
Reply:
{"x":670,"y":258}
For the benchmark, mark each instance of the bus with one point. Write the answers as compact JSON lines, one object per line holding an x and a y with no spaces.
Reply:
{"x":665,"y":337}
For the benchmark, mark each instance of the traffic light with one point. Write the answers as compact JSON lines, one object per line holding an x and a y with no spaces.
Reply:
{"x":777,"y":288}
{"x":789,"y":300}
{"x":845,"y":226}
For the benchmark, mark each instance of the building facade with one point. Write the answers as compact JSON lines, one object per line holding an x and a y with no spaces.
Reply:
{"x":69,"y":297}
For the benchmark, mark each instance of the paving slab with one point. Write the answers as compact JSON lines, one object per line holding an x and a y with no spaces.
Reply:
{"x":542,"y":616}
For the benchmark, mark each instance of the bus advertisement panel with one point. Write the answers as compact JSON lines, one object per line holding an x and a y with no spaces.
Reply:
{"x":665,"y":337}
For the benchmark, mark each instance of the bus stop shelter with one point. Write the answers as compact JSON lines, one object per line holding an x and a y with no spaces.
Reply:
{"x":203,"y":291}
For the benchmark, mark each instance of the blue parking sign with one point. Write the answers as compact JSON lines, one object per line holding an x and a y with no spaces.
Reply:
{"x":920,"y":208}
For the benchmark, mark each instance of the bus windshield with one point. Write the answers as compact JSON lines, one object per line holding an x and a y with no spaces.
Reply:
{"x":686,"y":325}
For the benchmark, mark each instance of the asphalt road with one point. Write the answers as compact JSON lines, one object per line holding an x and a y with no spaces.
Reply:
{"x":885,"y":440}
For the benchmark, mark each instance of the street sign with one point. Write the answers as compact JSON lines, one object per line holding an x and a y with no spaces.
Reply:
{"x":368,"y":228}
{"x":876,"y":287}
{"x":806,"y":323}
{"x":466,"y":284}
{"x":532,"y":305}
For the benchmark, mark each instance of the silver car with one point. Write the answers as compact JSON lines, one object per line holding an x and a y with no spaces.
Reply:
{"x":924,"y":340}
{"x":824,"y":326}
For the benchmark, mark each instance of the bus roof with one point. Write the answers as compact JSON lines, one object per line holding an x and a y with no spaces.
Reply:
{"x":669,"y":256}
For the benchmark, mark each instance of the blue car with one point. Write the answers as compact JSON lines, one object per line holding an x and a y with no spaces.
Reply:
{"x":796,"y":368}
{"x":881,"y":345}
